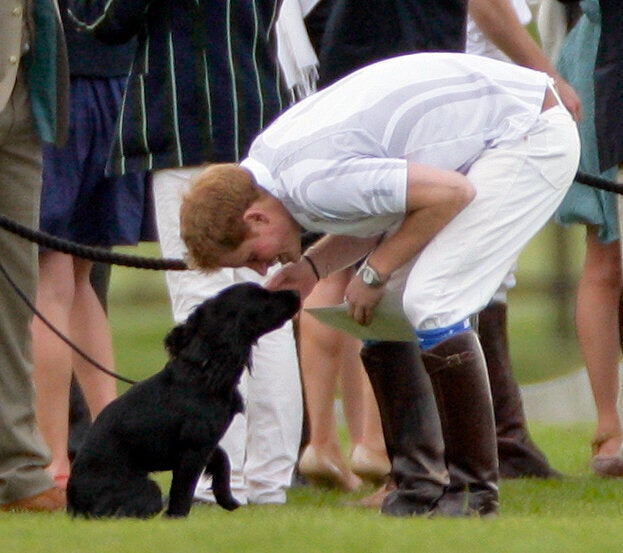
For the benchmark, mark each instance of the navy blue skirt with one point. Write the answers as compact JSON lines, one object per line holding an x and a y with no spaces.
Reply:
{"x":79,"y":202}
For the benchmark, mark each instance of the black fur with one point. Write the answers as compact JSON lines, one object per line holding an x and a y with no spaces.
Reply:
{"x":175,"y":419}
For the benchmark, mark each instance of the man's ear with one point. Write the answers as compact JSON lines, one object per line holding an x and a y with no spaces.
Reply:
{"x":255,"y":216}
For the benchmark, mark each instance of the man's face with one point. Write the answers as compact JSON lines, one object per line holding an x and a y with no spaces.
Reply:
{"x":270,"y":242}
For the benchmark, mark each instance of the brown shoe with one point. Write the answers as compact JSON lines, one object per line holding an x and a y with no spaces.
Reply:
{"x":52,"y":499}
{"x":375,"y":499}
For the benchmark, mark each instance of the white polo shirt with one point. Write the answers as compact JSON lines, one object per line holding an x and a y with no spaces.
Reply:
{"x":337,"y":159}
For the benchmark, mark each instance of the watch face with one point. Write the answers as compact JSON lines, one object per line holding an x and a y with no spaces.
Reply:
{"x":369,"y":276}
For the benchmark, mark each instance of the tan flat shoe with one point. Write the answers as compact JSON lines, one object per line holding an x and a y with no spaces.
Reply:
{"x":610,"y":466}
{"x":319,"y":469}
{"x":369,"y":464}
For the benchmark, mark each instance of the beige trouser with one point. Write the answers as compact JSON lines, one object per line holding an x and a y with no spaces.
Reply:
{"x":23,"y":453}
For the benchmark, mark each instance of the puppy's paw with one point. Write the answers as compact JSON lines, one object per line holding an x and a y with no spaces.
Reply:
{"x":169,"y":514}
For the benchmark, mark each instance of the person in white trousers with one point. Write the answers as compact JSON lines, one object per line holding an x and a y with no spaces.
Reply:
{"x":263,"y":442}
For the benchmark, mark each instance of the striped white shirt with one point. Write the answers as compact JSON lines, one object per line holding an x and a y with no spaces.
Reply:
{"x":337,"y":160}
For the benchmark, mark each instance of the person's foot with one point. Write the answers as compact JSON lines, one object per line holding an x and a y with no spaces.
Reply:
{"x":375,"y":499}
{"x":319,"y":469}
{"x":50,"y":500}
{"x":370,"y":464}
{"x":607,"y":457}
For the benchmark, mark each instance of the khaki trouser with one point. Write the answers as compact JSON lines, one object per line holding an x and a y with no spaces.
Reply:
{"x":23,"y":453}
{"x":619,"y":178}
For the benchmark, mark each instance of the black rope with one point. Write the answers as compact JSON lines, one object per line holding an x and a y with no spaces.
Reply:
{"x":47,"y":323}
{"x":89,"y":252}
{"x":86,"y":252}
{"x":106,"y":256}
{"x":598,"y":182}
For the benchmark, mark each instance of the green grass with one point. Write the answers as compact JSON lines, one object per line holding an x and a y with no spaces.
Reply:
{"x":542,"y":338}
{"x":580,"y":513}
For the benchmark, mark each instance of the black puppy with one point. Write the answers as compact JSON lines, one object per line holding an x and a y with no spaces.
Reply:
{"x":175,"y":419}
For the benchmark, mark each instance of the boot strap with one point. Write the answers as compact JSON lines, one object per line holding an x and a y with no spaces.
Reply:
{"x":450,"y":361}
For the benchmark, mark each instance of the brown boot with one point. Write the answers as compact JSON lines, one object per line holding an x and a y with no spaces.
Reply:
{"x":411,"y":427}
{"x":459,"y":376}
{"x":518,"y":456}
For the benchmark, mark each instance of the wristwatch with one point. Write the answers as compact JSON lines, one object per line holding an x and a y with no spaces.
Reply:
{"x":370,"y":276}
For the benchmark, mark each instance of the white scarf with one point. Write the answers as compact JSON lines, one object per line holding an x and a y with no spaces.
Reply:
{"x":295,"y":52}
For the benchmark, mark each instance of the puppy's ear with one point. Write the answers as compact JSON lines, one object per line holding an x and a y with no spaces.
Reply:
{"x":174,"y":340}
{"x":179,"y":336}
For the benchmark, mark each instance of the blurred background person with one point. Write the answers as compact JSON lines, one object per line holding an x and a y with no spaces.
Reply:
{"x":34,"y":88}
{"x":497,"y":29}
{"x":80,"y":203}
{"x":330,"y":363}
{"x":196,"y":96}
{"x":589,"y":60}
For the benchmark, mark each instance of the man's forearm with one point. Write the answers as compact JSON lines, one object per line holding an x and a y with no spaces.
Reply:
{"x":434,"y":198}
{"x":333,"y":253}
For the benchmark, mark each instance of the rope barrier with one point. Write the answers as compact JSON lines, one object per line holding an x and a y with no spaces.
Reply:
{"x":598,"y":182}
{"x":86,"y":252}
{"x":89,"y":252}
{"x":159,"y":264}
{"x":164,"y":264}
{"x":47,"y":323}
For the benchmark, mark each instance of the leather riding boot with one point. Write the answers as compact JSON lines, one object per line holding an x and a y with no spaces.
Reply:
{"x":411,"y":427}
{"x":517,"y":454}
{"x":459,"y":376}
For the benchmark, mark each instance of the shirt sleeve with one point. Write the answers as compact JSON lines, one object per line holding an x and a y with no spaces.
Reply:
{"x":362,"y":188}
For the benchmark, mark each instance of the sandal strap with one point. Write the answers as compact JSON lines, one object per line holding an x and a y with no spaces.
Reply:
{"x":601,"y":439}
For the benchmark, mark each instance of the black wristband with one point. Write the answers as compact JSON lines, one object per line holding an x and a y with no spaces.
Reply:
{"x":312,"y":265}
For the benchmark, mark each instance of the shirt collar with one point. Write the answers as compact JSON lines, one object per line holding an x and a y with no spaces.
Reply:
{"x":261,"y":174}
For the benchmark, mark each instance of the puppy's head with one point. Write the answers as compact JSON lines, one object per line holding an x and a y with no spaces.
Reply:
{"x":224,"y":328}
{"x":257,"y":310}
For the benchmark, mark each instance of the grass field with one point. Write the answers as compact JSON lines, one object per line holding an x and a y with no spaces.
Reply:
{"x":580,"y":513}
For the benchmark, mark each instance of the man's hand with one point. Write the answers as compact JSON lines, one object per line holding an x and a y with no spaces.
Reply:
{"x":294,"y":276}
{"x":362,"y":300}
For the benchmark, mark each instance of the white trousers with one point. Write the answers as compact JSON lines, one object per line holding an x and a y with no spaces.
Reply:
{"x":518,"y":185}
{"x":262,"y":443}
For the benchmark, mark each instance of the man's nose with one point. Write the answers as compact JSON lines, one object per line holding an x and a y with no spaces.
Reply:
{"x":260,"y":267}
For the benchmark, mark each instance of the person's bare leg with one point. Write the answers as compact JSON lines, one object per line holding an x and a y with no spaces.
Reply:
{"x":368,"y":456}
{"x":320,"y":353}
{"x":351,"y":383}
{"x":52,"y":357}
{"x":372,"y":429}
{"x":597,"y":313}
{"x":90,"y":330}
